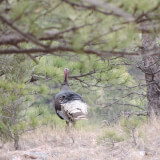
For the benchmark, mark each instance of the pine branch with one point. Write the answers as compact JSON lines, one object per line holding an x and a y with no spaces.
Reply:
{"x":15,"y":38}
{"x":24,"y":35}
{"x":65,"y":49}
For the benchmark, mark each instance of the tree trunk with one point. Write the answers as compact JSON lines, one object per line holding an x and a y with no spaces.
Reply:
{"x":16,"y":142}
{"x":152,"y":75}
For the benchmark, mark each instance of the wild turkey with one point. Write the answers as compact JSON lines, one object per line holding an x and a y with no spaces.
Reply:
{"x":68,"y":105}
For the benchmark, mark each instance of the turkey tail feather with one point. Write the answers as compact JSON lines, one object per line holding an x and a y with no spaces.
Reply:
{"x":75,"y":109}
{"x":79,"y":115}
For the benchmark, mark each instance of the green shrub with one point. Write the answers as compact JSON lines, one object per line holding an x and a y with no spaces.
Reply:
{"x":112,"y":136}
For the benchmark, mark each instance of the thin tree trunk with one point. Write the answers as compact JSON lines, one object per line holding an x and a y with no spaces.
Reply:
{"x":16,"y":142}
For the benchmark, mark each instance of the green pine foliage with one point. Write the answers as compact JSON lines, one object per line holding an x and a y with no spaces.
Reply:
{"x":16,"y":97}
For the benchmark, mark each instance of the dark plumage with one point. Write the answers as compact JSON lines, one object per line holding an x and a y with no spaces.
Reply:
{"x":68,"y":105}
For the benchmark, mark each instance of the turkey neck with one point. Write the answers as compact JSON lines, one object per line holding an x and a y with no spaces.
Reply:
{"x":65,"y":86}
{"x":66,"y":77}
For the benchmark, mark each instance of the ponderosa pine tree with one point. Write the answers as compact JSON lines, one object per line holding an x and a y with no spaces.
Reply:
{"x":16,"y":98}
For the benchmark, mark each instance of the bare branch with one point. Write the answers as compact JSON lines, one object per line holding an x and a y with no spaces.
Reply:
{"x":127,"y":95}
{"x":110,"y":7}
{"x":95,"y":5}
{"x":83,"y":75}
{"x":132,"y":105}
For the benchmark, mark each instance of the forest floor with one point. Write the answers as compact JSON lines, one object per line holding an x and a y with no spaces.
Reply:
{"x":57,"y":144}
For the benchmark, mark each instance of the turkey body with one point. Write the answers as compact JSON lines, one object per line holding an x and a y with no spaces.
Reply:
{"x":69,"y":105}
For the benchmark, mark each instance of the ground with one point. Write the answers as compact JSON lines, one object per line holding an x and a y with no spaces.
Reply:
{"x":48,"y":143}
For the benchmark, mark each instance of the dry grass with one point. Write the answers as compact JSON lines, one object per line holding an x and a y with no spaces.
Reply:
{"x":147,"y":137}
{"x":57,"y":144}
{"x":83,"y":143}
